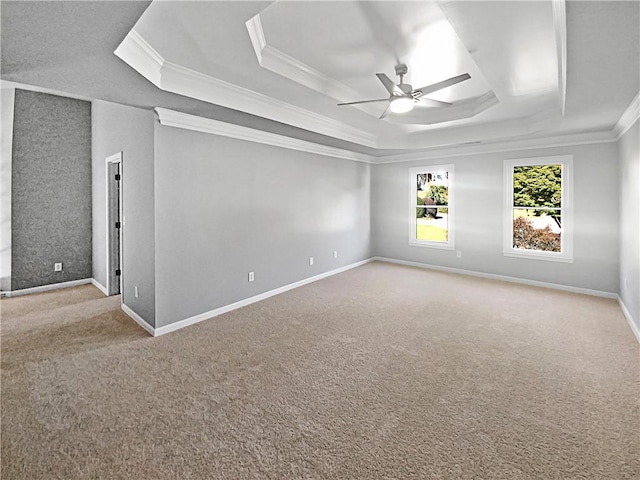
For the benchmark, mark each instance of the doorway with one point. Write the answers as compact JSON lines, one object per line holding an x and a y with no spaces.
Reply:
{"x":114,"y":224}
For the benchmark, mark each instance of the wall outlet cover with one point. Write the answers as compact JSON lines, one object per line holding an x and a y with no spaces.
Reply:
{"x":57,"y":267}
{"x":251,"y":276}
{"x":310,"y":260}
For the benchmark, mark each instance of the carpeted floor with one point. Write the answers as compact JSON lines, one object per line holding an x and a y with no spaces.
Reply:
{"x":382,"y":372}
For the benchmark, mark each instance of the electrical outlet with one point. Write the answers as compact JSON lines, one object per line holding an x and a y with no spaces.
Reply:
{"x":626,"y":284}
{"x":251,"y":276}
{"x":335,"y":254}
{"x":135,"y":291}
{"x":310,"y":260}
{"x":57,"y":267}
{"x":458,"y":254}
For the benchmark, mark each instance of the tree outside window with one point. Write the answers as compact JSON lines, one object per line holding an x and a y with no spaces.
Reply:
{"x":431,"y":222}
{"x":538,"y":207}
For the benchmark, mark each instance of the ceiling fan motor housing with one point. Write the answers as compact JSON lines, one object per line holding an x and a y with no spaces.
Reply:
{"x":401,"y":69}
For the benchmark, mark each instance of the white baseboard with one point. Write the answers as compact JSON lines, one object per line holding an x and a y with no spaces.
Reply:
{"x":138,"y":319}
{"x":524,"y":281}
{"x":99,"y":286}
{"x":248,"y":301}
{"x":46,"y":288}
{"x":627,"y":315}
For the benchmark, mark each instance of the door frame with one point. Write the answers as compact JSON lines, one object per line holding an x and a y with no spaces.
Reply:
{"x":115,"y":158}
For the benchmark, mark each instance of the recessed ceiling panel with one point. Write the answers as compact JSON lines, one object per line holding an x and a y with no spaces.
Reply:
{"x":348,"y":42}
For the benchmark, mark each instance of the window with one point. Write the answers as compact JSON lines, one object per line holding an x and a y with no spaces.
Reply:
{"x":431,"y":206}
{"x":538,"y":208}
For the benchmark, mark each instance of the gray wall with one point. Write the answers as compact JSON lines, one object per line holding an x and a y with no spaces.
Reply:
{"x":630,"y":221}
{"x":225,"y":207}
{"x":118,"y":128}
{"x":51,"y":190}
{"x":479,"y":195}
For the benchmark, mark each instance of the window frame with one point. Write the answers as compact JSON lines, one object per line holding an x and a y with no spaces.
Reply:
{"x":566,"y":209}
{"x":413,"y":193}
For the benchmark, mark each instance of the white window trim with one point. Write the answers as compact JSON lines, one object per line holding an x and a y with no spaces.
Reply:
{"x":566,"y":239}
{"x":413,"y":193}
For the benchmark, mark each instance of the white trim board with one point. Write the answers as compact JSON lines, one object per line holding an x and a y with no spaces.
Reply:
{"x":46,"y":288}
{"x":138,"y":319}
{"x":629,"y":117}
{"x":142,"y":57}
{"x":100,"y":287}
{"x":559,"y":9}
{"x":504,"y":278}
{"x":627,"y":315}
{"x":248,"y":301}
{"x":171,"y":118}
{"x":115,"y":158}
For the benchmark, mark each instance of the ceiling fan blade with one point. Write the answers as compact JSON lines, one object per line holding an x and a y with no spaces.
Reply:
{"x":432,"y":103}
{"x":365,"y":101}
{"x":386,"y":112}
{"x":443,"y":84}
{"x":391,"y":87}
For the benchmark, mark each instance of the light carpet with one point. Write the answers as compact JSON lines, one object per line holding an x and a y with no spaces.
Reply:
{"x":381,"y":372}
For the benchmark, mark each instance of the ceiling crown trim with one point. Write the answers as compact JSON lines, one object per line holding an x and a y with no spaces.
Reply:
{"x":480,"y":148}
{"x":171,"y":118}
{"x":629,"y":117}
{"x":171,"y":77}
{"x":560,"y":26}
{"x":137,"y":53}
{"x":289,"y":67}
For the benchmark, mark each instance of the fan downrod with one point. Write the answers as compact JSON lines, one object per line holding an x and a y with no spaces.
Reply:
{"x":401,"y":71}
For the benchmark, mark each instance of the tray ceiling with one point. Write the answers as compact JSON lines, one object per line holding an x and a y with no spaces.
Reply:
{"x":294,"y":61}
{"x":541,"y":70}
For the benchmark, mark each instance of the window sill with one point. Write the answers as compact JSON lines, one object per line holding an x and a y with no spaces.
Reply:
{"x":549,"y":257}
{"x":441,"y":246}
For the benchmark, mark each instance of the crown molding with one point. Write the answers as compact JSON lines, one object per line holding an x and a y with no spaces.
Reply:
{"x":171,"y":118}
{"x":289,"y":67}
{"x":256,"y":35}
{"x":586,"y":138}
{"x":168,"y":76}
{"x":171,"y":77}
{"x":629,"y":117}
{"x":142,"y":57}
{"x":182,"y":80}
{"x":559,"y":8}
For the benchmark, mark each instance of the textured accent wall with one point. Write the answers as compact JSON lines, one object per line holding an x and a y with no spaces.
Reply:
{"x":51,"y":190}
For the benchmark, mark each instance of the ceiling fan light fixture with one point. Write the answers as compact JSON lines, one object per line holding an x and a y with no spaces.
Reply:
{"x":401,"y":104}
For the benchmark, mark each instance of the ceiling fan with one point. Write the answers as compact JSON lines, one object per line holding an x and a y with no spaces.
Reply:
{"x":402,"y":97}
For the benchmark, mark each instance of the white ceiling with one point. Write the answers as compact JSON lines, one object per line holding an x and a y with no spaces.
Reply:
{"x":293,"y":61}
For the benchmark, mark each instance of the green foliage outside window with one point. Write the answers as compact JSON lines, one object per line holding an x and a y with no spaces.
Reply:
{"x":420,"y":211}
{"x":537,"y":186}
{"x":439,"y":194}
